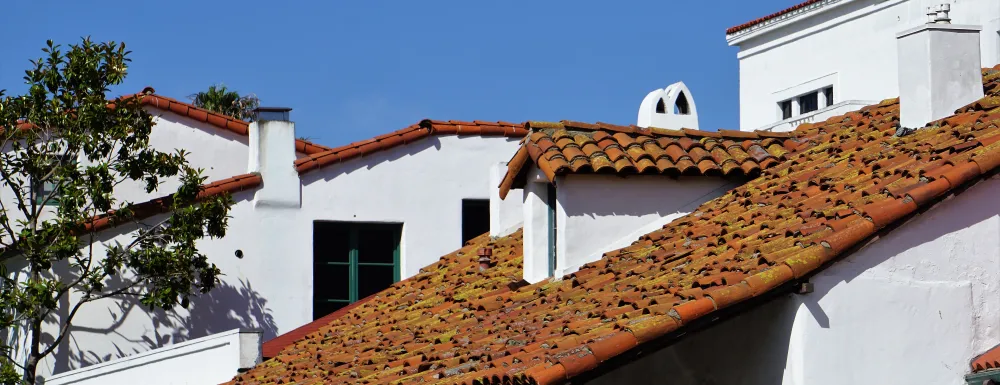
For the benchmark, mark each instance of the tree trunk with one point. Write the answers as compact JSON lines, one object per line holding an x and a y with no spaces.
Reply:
{"x":31,"y":365}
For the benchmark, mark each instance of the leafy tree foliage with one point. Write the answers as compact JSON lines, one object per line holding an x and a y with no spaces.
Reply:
{"x":66,"y":150}
{"x":226,"y":102}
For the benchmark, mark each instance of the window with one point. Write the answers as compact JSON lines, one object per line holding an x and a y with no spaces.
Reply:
{"x":41,"y":190}
{"x":809,"y":102}
{"x":352,"y":261}
{"x":551,"y":203}
{"x":829,"y":96}
{"x":475,"y":218}
{"x":786,"y":109}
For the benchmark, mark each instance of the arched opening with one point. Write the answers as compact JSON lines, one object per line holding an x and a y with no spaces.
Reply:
{"x":681,"y":107}
{"x":661,"y":107}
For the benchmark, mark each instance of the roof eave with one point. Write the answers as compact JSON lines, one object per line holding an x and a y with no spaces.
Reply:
{"x":755,"y":30}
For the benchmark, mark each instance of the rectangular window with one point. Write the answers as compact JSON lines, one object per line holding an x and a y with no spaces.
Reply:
{"x":553,"y":226}
{"x":42,"y":191}
{"x":786,"y":109}
{"x":809,"y":102}
{"x":352,"y":261}
{"x":475,"y":218}
{"x":829,"y":96}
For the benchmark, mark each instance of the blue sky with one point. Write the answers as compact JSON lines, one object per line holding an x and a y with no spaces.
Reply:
{"x":353,"y":70}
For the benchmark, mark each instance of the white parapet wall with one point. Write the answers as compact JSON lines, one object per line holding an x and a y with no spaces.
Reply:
{"x":209,"y":360}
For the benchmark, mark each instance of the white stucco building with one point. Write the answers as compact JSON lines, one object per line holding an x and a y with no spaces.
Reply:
{"x":824,"y":58}
{"x":313,"y":228}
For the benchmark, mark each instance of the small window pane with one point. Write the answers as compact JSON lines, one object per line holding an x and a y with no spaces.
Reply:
{"x":786,"y":109}
{"x":331,"y":282}
{"x":373,"y":279}
{"x":829,"y":96}
{"x":475,"y":218}
{"x":331,"y":242}
{"x":377,"y":244}
{"x":809,"y":103}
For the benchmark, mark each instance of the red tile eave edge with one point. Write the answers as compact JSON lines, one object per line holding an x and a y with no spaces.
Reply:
{"x":404,"y":136}
{"x":150,"y":98}
{"x":752,"y":23}
{"x":162,"y":204}
{"x":517,"y":166}
{"x":986,"y":361}
{"x":275,"y":345}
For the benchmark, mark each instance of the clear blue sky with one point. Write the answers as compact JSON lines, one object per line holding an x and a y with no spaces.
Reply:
{"x":355,"y":69}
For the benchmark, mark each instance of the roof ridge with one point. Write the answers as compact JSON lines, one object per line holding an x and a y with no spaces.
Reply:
{"x":149,"y":97}
{"x":409,"y":134}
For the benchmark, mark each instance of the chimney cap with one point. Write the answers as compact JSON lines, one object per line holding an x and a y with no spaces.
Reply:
{"x":272,"y":113}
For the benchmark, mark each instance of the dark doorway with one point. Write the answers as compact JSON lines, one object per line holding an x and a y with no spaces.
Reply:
{"x":475,"y":218}
{"x":352,"y":261}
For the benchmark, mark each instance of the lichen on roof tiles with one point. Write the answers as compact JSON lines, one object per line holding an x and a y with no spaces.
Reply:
{"x":848,"y":179}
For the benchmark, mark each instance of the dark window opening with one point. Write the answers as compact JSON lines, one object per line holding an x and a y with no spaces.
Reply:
{"x":475,"y":218}
{"x":681,"y":106}
{"x":352,"y":261}
{"x":809,"y":102}
{"x":829,"y":96}
{"x":786,"y":109}
{"x":44,"y":191}
{"x":661,"y":107}
{"x":553,"y":226}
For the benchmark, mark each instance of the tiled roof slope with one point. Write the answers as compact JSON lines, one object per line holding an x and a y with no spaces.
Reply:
{"x":772,"y":16}
{"x":409,"y":134}
{"x":852,"y":178}
{"x":150,"y":98}
{"x":161,"y":205}
{"x":573,"y":147}
{"x":275,"y":345}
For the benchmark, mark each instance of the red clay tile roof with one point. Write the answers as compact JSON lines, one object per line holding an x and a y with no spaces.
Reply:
{"x":775,"y":15}
{"x":150,"y":98}
{"x":987,"y":361}
{"x":407,"y":135}
{"x":162,"y":205}
{"x":275,"y":345}
{"x":851,"y":180}
{"x":573,"y":147}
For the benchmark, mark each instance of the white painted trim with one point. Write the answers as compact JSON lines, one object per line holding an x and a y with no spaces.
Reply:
{"x":815,"y":29}
{"x":940,"y":27}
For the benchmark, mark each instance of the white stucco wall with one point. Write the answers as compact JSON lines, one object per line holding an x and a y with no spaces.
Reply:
{"x":506,"y":215}
{"x":913,"y":308}
{"x":209,"y":360}
{"x":600,"y":213}
{"x":850,"y":45}
{"x":420,"y":185}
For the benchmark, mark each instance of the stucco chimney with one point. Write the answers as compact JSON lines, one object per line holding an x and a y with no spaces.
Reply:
{"x":939,"y":68}
{"x":272,"y":154}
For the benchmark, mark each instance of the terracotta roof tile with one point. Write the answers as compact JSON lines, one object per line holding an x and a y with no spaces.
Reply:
{"x":987,"y":361}
{"x":162,"y":205}
{"x":453,"y":323}
{"x":150,"y":98}
{"x":772,"y":16}
{"x":407,"y":135}
{"x":572,"y":147}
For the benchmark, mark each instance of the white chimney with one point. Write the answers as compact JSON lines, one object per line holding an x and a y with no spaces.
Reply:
{"x":939,"y":68}
{"x":272,"y":155}
{"x":672,"y":107}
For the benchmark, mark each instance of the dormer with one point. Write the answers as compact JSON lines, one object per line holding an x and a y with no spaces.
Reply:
{"x":672,"y":107}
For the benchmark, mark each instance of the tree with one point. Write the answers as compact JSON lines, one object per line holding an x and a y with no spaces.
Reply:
{"x":66,"y":150}
{"x":226,"y":102}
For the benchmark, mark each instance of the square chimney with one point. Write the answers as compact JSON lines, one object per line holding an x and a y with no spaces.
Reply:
{"x":939,"y":68}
